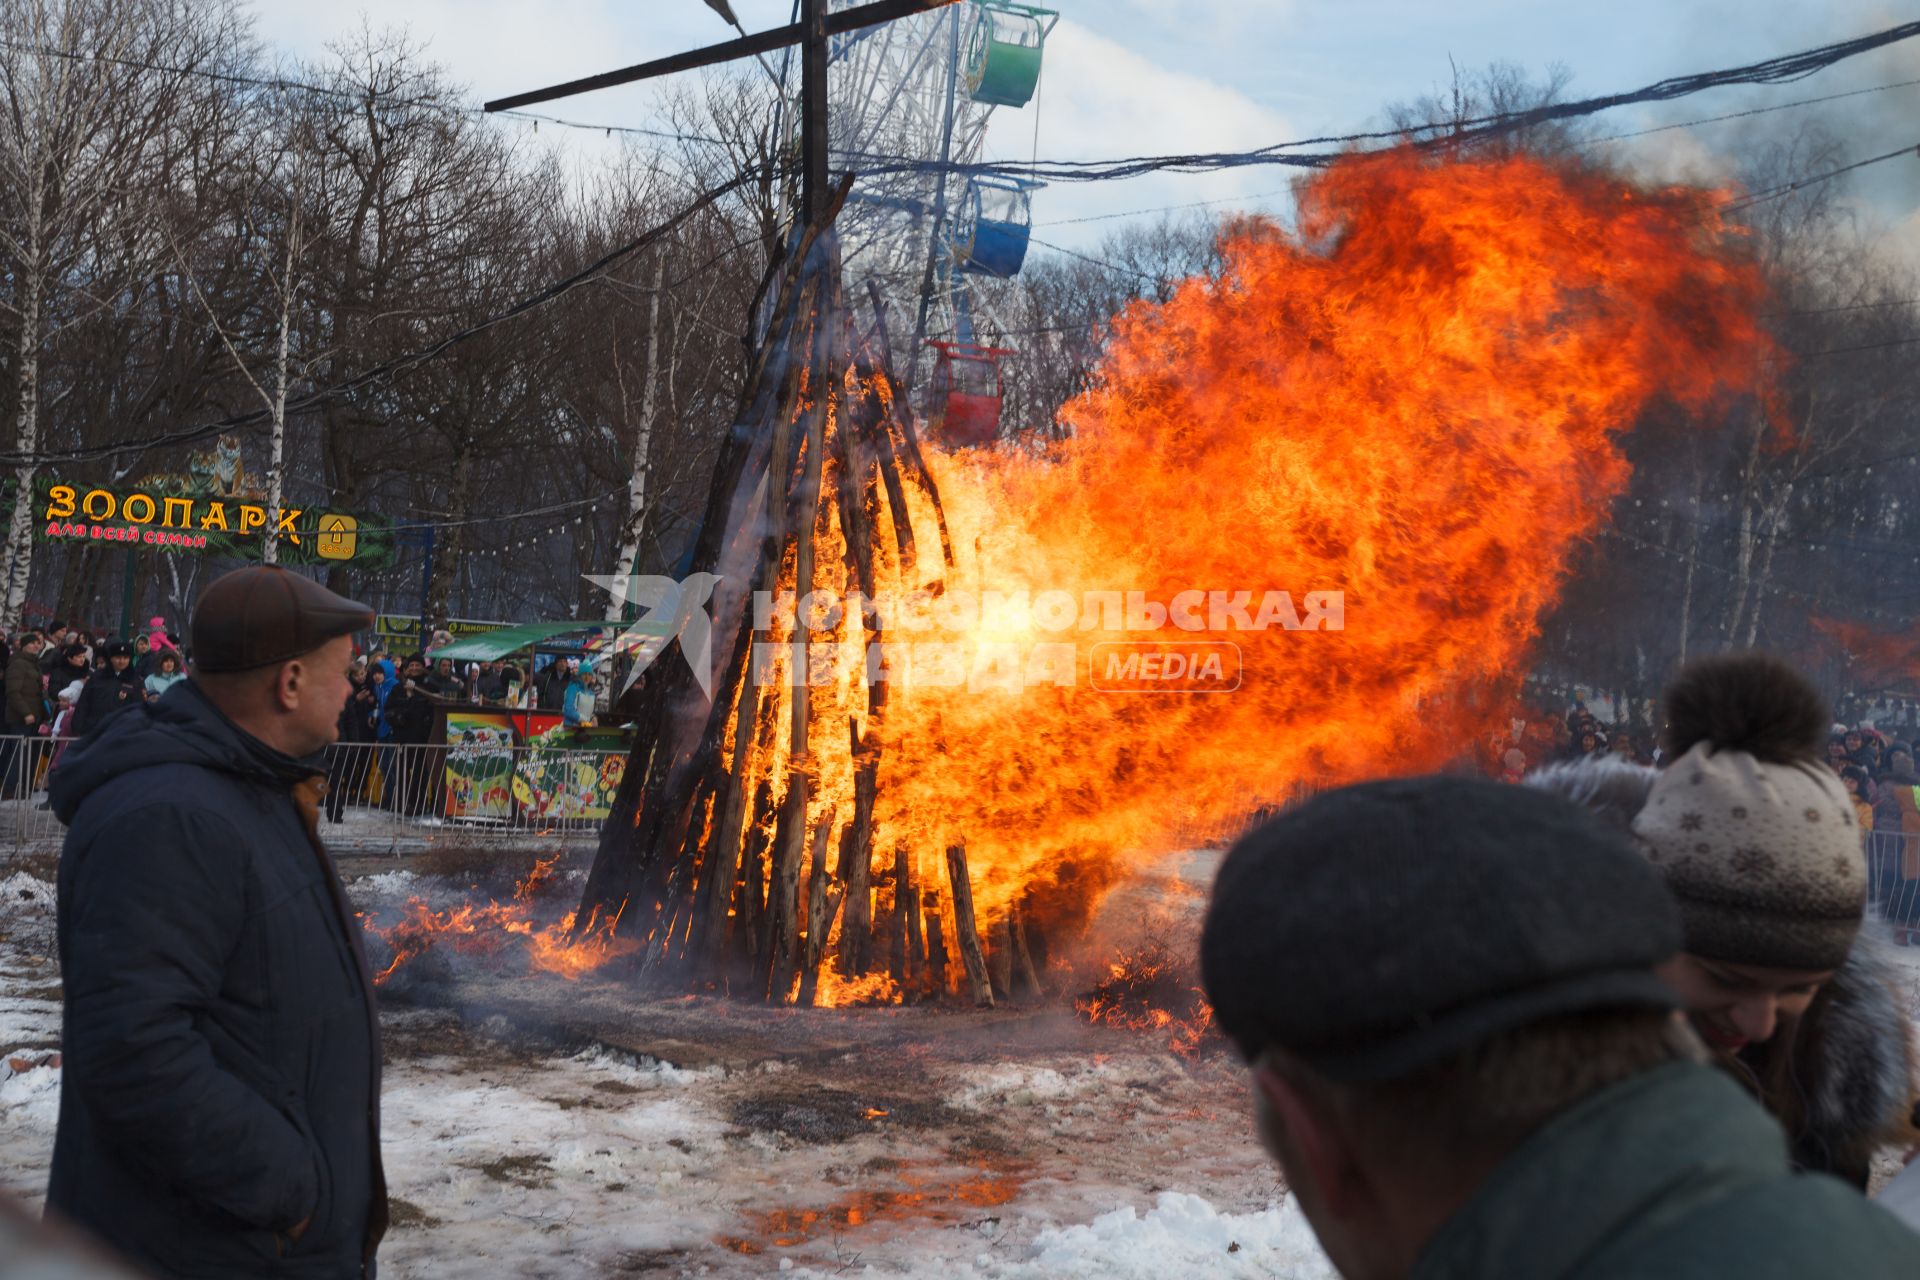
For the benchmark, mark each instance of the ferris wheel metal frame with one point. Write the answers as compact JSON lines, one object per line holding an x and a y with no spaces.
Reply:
{"x":914,"y":98}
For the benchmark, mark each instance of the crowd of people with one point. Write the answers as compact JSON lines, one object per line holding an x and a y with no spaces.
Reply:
{"x":386,"y":725}
{"x":63,"y":681}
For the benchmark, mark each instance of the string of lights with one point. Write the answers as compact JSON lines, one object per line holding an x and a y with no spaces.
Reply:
{"x":511,"y":516}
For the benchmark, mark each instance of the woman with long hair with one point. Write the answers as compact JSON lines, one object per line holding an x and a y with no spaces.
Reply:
{"x":1760,"y":843}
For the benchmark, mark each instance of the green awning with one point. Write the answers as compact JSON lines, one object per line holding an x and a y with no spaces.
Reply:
{"x":498,"y":644}
{"x":489,"y":645}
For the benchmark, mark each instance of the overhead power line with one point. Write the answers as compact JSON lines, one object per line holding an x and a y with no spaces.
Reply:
{"x":1443,"y":133}
{"x":1783,"y":69}
{"x":1769,"y":71}
{"x":1752,"y":198}
{"x":1758,"y":111}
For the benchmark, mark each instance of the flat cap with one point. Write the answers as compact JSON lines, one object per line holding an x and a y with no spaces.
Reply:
{"x":1382,"y":928}
{"x":263,"y":614}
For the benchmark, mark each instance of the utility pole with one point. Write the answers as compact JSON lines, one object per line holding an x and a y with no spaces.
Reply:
{"x":813,"y":113}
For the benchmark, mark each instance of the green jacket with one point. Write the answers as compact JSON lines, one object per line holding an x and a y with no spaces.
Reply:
{"x":1674,"y":1175}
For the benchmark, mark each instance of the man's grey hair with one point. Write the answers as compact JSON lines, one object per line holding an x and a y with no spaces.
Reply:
{"x":1613,"y":790}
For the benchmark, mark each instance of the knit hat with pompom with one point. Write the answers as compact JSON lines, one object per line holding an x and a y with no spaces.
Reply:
{"x":1754,"y":832}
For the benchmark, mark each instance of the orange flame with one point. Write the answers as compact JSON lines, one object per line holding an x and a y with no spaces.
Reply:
{"x":1145,"y":990}
{"x":1416,"y":400}
{"x":484,"y":929}
{"x":837,"y":992}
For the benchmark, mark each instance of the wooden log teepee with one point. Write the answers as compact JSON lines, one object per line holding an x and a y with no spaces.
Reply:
{"x":725,"y":857}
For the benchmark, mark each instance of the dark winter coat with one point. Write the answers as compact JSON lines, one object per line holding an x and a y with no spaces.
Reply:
{"x":1851,"y":1070}
{"x":443,"y":686}
{"x":107,"y":694}
{"x":550,"y":686}
{"x":1674,"y":1173}
{"x":222,"y":1073}
{"x":409,"y":715}
{"x":360,"y":716}
{"x":26,"y":692}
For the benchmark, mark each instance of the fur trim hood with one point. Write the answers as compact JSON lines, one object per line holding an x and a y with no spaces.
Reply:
{"x":1856,"y":1058}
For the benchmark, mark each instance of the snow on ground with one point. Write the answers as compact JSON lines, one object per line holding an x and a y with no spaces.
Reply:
{"x":1181,"y":1235}
{"x":526,"y":1159}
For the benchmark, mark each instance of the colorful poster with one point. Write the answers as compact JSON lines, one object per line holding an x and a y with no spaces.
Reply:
{"x":533,"y":724}
{"x":569,"y":775}
{"x":479,"y":770}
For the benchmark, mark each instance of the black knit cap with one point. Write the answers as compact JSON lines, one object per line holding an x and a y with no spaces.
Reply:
{"x":1381,"y":928}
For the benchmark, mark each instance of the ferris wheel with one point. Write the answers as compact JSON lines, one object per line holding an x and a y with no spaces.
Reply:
{"x":915,"y":96}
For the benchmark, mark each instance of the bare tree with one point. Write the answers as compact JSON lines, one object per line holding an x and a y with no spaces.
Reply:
{"x":93,"y":90}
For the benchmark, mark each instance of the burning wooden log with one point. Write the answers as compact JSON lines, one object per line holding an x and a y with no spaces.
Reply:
{"x":907,"y":886}
{"x":856,"y":935}
{"x":823,"y":905}
{"x":897,"y":920}
{"x":936,"y":943}
{"x":965,"y":933}
{"x":1022,"y":957}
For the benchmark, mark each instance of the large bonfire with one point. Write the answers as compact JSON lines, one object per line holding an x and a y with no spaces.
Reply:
{"x":1414,"y":399}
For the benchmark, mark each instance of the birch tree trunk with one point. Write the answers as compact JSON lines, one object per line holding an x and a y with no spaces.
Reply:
{"x":629,"y":553}
{"x":1765,"y":575}
{"x":26,"y":438}
{"x":1693,"y":563}
{"x":277,"y":447}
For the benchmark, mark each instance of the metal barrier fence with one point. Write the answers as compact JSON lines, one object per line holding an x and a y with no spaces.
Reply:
{"x":1893,"y":883}
{"x":405,"y":799}
{"x":388,"y":799}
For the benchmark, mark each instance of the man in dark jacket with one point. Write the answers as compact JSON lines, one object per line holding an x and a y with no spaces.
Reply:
{"x":550,"y":685}
{"x":110,"y":690}
{"x":56,"y":651}
{"x":490,"y":685}
{"x":352,"y":751}
{"x":219,"y":1114}
{"x":26,"y":709}
{"x":443,"y":683}
{"x":1497,"y":1084}
{"x":74,"y":663}
{"x":409,"y":715}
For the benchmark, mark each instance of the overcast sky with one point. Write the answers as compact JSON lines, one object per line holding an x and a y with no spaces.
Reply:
{"x":1131,"y":77}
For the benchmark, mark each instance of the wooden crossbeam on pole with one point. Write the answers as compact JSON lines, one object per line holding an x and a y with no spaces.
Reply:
{"x":729,"y":51}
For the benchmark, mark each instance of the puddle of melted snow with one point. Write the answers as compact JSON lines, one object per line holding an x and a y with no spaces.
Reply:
{"x":925,"y":1198}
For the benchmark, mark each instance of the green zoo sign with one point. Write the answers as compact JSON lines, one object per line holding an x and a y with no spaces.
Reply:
{"x":211,"y":524}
